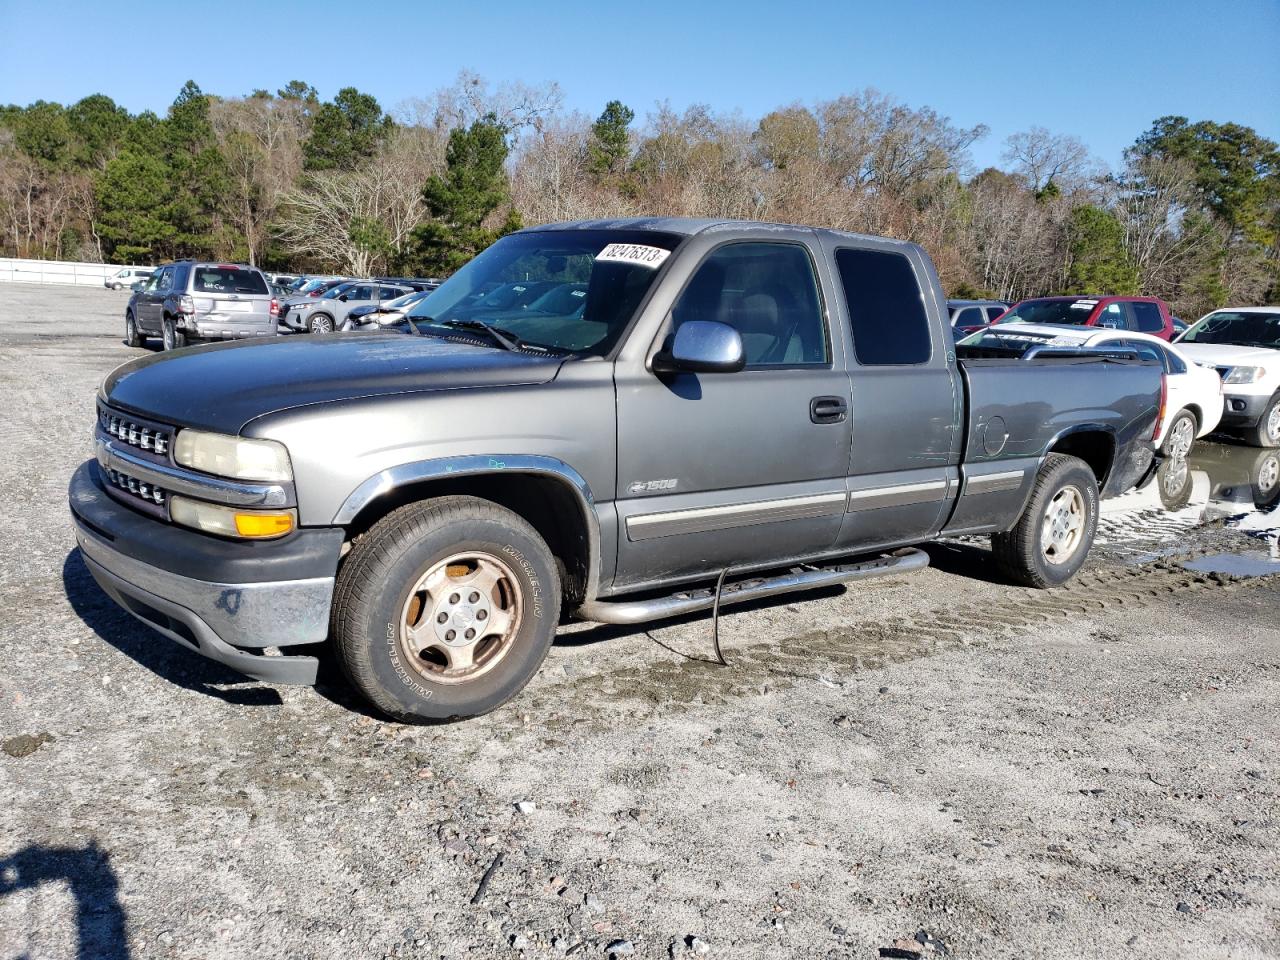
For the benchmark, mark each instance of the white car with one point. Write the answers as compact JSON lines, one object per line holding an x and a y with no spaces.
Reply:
{"x":1193,"y":406}
{"x":126,"y":277}
{"x":1243,"y":344}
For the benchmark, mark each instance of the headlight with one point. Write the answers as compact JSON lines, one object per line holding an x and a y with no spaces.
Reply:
{"x":1245,"y":374}
{"x":232,"y":457}
{"x":230,"y":522}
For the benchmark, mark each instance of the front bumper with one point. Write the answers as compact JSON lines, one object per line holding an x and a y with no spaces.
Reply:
{"x":224,"y":599}
{"x":1242,"y":409}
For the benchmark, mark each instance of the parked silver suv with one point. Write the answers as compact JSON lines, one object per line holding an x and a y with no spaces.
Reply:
{"x":189,"y":301}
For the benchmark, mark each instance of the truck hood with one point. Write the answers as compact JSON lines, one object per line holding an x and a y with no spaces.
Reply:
{"x":221,"y":387}
{"x":1227,"y":355}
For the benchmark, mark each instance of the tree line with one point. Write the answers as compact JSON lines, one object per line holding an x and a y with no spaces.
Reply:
{"x":290,"y":182}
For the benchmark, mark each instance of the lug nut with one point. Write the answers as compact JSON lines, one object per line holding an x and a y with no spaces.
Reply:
{"x":443,"y":618}
{"x":470,"y":634}
{"x":473,"y":598}
{"x":451,"y":635}
{"x":455,"y":598}
{"x":482,"y":614}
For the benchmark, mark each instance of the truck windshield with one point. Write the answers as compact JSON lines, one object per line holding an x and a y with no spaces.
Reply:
{"x":1242,"y":328}
{"x":564,"y":290}
{"x":1074,"y":311}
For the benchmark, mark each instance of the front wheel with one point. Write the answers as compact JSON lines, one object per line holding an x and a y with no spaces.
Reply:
{"x":1267,"y":432}
{"x":1052,"y":538}
{"x":321,"y":323}
{"x":445,"y":609}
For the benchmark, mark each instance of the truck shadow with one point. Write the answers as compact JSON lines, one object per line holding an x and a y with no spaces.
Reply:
{"x":184,"y":668}
{"x":100,"y":919}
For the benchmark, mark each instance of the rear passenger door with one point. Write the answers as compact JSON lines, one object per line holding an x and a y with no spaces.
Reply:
{"x":1147,"y":317}
{"x":907,"y":404}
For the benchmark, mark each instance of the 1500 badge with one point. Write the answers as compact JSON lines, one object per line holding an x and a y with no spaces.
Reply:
{"x":651,"y":486}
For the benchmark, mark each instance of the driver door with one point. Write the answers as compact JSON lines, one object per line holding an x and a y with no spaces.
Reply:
{"x":734,"y":469}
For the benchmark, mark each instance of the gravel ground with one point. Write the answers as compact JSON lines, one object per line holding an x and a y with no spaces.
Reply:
{"x":941,"y":764}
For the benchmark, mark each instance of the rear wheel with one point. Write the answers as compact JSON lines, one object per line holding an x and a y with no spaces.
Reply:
{"x":1052,"y":538}
{"x":1267,"y":432}
{"x":132,"y":337}
{"x":1181,"y":437}
{"x":172,"y":337}
{"x":321,"y":323}
{"x":445,"y":609}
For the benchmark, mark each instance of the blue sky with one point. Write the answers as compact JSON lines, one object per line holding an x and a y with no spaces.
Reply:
{"x":1100,"y":70}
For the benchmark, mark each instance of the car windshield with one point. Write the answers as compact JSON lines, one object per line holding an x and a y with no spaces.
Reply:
{"x":1243,"y":328}
{"x":227,"y":279}
{"x":334,"y":292}
{"x":1051,"y":311}
{"x":405,"y":300}
{"x":564,"y":290}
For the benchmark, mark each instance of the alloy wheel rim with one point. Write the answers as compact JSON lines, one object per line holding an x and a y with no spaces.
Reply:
{"x":1181,"y":438}
{"x":1273,"y":422}
{"x":168,"y":336}
{"x":1062,"y":530}
{"x":322,"y":325}
{"x":1269,"y":474}
{"x":460,"y":618}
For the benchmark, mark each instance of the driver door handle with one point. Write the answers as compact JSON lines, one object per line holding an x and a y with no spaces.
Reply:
{"x":828,"y":409}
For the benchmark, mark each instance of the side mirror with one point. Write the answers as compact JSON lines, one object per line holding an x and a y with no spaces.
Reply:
{"x":702,"y":346}
{"x":342,"y":297}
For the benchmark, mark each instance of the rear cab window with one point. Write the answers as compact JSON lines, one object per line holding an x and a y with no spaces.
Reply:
{"x":229,"y":279}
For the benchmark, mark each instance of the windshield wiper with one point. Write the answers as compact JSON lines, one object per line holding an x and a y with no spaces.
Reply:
{"x":505,"y":339}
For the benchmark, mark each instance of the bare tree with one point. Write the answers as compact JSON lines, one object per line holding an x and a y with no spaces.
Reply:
{"x":1043,"y":158}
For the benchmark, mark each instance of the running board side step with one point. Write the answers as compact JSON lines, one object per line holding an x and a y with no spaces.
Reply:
{"x":753,"y":588}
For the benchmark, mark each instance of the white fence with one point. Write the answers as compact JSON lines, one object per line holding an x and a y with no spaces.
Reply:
{"x":13,"y":270}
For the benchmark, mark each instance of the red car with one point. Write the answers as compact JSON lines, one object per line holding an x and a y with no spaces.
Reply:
{"x":1143,"y":314}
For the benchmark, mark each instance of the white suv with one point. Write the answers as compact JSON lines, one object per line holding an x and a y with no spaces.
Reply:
{"x":1243,"y":344}
{"x":126,"y":277}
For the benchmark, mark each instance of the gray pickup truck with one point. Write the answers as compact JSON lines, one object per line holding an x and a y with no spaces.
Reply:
{"x":689,"y":413}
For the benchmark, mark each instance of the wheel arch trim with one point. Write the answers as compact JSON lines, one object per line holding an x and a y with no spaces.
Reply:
{"x":405,"y":474}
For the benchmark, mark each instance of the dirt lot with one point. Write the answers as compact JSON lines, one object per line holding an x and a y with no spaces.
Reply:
{"x":972,"y":768}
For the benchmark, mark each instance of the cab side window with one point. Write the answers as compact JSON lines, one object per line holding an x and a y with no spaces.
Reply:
{"x":1115,"y":316}
{"x":886,"y":308}
{"x":1147,"y":316}
{"x":768,"y":293}
{"x":164,"y":280}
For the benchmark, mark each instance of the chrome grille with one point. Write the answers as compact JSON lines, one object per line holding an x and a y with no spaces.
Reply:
{"x":145,"y":436}
{"x":144,"y":491}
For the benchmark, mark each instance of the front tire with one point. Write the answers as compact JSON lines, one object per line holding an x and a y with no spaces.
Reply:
{"x":320,"y":323}
{"x":1267,"y":431}
{"x":445,"y":609}
{"x":1052,"y":538}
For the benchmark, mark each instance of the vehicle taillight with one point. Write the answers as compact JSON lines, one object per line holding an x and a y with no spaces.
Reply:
{"x":186,"y":305}
{"x":1164,"y":398}
{"x":275,"y":307}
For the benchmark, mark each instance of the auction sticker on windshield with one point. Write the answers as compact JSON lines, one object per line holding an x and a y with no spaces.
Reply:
{"x":636,"y":253}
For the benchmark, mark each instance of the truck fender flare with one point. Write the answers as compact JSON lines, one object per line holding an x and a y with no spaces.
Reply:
{"x":1061,"y":435}
{"x":403,"y":474}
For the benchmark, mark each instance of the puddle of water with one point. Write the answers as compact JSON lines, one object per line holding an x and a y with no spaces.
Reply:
{"x":1231,"y":482}
{"x":1252,"y":563}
